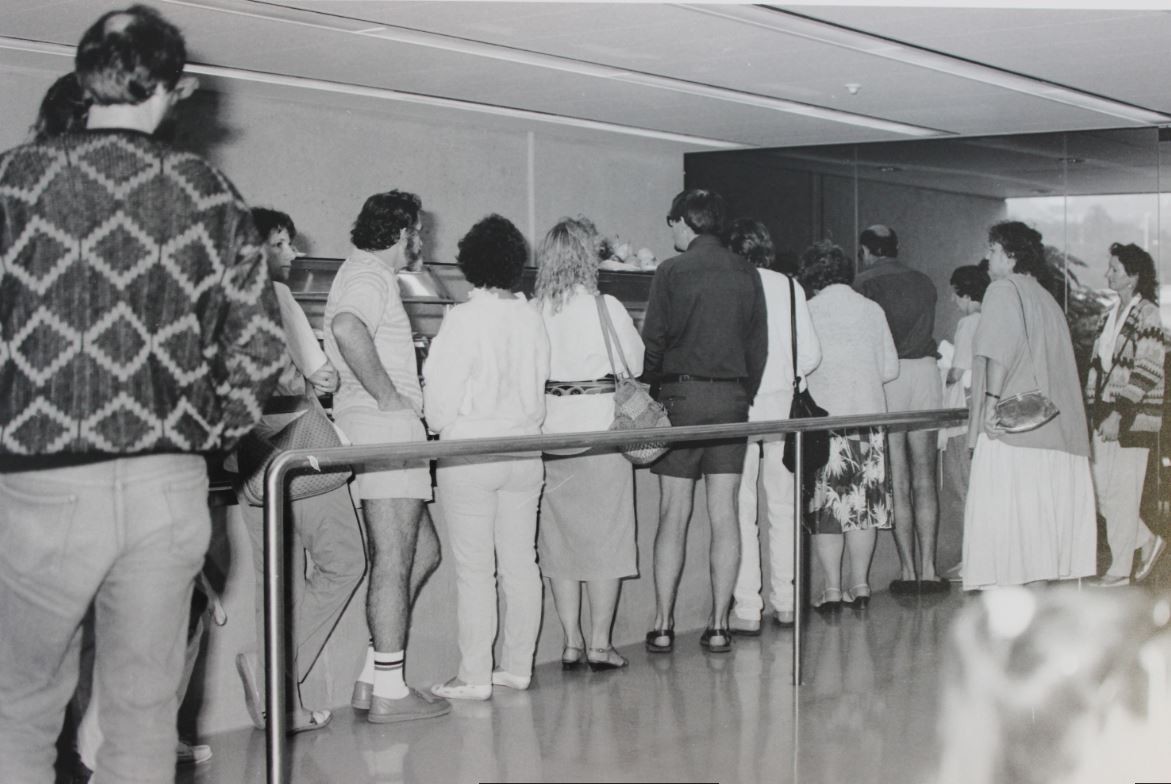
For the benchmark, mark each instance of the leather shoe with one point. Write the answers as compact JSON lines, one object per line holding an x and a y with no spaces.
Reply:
{"x":360,"y":698}
{"x":1148,"y":564}
{"x":415,"y":705}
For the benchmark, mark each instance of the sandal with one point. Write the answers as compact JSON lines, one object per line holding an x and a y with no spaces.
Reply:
{"x":600,"y":659}
{"x":652,"y":640}
{"x":716,"y":640}
{"x":318,"y":719}
{"x":574,"y":661}
{"x":254,"y":703}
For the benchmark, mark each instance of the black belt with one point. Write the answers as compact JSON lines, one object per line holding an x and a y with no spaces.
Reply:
{"x":602,"y":386}
{"x":671,"y":378}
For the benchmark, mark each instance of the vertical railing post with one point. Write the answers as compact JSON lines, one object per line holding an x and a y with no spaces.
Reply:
{"x":798,"y":506}
{"x":274,"y":620}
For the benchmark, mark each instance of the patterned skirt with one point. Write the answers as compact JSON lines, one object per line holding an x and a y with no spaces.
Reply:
{"x":853,"y":491}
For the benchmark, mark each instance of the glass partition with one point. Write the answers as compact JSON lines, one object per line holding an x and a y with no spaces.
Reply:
{"x":1083,"y":191}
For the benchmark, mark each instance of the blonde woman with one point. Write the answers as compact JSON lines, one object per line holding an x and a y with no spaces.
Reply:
{"x":587,"y":510}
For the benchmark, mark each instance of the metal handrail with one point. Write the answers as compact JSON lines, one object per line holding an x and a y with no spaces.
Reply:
{"x":373,"y":455}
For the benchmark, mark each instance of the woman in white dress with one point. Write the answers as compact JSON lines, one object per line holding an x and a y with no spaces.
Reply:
{"x":1030,"y":510}
{"x":587,"y":510}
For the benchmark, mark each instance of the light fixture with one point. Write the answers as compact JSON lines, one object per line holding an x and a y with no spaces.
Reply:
{"x":338,"y":23}
{"x":790,"y":23}
{"x":341,"y":88}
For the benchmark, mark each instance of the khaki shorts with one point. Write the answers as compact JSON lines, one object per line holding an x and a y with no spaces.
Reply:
{"x":918,"y":387}
{"x":371,"y":426}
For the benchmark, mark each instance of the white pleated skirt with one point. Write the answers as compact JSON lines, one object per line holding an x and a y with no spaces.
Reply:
{"x":1029,"y":516}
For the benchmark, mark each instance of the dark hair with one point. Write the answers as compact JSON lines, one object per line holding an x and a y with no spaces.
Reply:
{"x":823,"y":264}
{"x":63,"y":109}
{"x":267,"y":221}
{"x":493,"y":253}
{"x":749,"y":238}
{"x":880,"y":241}
{"x":702,"y":211}
{"x":1137,"y":261}
{"x":383,"y":217}
{"x":125,"y":55}
{"x":1023,"y":245}
{"x":970,"y":281}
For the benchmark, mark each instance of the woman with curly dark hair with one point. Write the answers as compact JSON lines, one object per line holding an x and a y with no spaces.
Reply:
{"x":851,"y":495}
{"x":1030,"y":509}
{"x":1125,"y":390}
{"x":485,"y":377}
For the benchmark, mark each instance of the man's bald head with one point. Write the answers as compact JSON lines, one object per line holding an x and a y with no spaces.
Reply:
{"x":881,"y":241}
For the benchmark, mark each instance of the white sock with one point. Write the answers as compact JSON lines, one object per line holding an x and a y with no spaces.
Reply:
{"x":388,"y":675}
{"x":367,"y":675}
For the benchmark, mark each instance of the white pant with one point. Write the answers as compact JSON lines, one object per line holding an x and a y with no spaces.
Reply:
{"x":778,"y":492}
{"x":1118,"y":480}
{"x":490,"y":507}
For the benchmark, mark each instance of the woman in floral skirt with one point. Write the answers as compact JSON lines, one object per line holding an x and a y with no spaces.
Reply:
{"x":851,"y":495}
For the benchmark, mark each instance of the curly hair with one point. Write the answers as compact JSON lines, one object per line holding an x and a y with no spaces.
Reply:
{"x":824,"y":264}
{"x":702,"y":211}
{"x":749,"y":238}
{"x":567,"y":257}
{"x":63,"y":109}
{"x":1137,"y":261}
{"x":267,"y":221}
{"x":970,"y":280}
{"x":125,"y":55}
{"x":383,"y":219}
{"x":1023,"y":245}
{"x":493,"y":253}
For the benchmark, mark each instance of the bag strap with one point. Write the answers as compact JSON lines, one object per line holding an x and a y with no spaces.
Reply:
{"x":793,"y":332}
{"x":608,"y":334}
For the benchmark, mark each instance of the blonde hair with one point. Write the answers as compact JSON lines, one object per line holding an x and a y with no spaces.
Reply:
{"x":566,"y":258}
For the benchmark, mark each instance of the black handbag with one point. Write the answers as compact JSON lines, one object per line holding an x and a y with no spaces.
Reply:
{"x":815,"y":443}
{"x":311,"y":430}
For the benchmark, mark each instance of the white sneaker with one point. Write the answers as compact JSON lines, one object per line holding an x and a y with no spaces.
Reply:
{"x":454,"y":689}
{"x":505,"y":678}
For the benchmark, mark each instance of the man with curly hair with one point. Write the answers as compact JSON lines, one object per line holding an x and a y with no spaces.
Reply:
{"x":379,"y":400}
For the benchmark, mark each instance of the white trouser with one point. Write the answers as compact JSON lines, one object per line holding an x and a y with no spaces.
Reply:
{"x":491,"y":513}
{"x":1118,"y":481}
{"x":778,"y":492}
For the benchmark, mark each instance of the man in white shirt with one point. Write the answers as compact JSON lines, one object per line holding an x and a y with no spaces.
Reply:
{"x":379,"y":400}
{"x":750,"y":239}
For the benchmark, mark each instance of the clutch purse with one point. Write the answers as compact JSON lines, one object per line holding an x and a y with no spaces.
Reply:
{"x":1024,"y":412}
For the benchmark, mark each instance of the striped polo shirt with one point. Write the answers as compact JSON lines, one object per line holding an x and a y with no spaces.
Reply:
{"x":367,"y":287}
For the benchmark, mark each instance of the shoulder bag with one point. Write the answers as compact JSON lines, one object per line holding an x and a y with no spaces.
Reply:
{"x":815,"y":443}
{"x":634,"y":408}
{"x":1024,"y":411}
{"x":311,"y":430}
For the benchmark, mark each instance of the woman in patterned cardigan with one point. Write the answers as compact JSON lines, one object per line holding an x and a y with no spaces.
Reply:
{"x":1125,"y":389}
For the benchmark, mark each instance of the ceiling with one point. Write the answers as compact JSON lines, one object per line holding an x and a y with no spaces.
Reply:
{"x":710,"y":76}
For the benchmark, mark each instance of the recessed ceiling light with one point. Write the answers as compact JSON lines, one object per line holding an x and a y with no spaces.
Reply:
{"x":1071,"y":161}
{"x":889,"y":169}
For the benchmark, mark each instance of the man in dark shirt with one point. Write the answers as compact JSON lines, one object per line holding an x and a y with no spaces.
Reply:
{"x":706,"y":345}
{"x":908,"y":297}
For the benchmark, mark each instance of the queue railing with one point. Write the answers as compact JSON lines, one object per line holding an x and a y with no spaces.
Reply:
{"x":375,"y":455}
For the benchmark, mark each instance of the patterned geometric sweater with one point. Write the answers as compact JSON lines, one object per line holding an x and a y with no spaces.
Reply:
{"x":136,"y":313}
{"x":1134,"y":386}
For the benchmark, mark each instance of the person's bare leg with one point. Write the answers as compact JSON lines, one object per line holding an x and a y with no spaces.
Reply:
{"x":904,"y":525}
{"x":722,"y":493}
{"x":922,"y":444}
{"x":674,"y":514}
{"x":567,"y":601}
{"x":829,"y":555}
{"x":861,"y":547}
{"x":397,"y":569}
{"x":603,"y":602}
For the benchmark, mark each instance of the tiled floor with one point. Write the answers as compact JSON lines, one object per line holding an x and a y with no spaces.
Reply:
{"x":866,"y":712}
